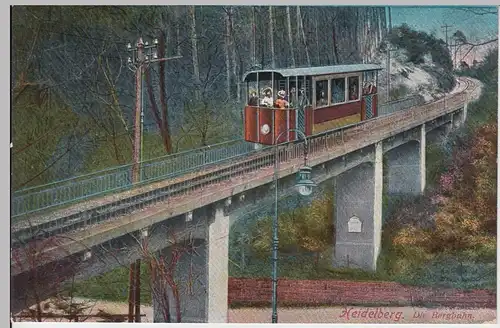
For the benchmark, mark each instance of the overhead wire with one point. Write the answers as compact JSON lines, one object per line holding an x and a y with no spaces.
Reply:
{"x":54,"y":162}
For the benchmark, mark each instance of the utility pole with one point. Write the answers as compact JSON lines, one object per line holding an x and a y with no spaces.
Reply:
{"x":137,"y":289}
{"x":390,"y":18}
{"x":142,"y":56}
{"x":455,"y":56}
{"x":446,"y":27}
{"x":138,"y":64}
{"x":389,"y":49}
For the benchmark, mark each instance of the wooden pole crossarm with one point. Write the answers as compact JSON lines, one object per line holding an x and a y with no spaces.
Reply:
{"x":163,"y":59}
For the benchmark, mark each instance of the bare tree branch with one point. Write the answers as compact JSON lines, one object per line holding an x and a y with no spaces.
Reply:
{"x":479,"y":11}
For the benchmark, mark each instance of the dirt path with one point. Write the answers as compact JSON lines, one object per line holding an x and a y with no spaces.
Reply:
{"x":355,"y":314}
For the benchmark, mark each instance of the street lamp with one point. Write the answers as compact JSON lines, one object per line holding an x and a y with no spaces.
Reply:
{"x":304,"y":183}
{"x":304,"y":186}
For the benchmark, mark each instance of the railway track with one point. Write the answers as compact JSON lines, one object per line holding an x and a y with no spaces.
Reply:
{"x":242,"y":165}
{"x":136,"y":202}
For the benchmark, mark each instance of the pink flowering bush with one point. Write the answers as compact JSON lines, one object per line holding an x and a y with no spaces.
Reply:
{"x":446,"y":182}
{"x":463,"y":208}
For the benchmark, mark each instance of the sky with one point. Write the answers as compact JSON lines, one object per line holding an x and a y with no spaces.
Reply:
{"x":430,"y":19}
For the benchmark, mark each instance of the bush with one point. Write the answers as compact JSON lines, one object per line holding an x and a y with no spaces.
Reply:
{"x":309,"y":229}
{"x":113,"y":286}
{"x":436,"y":160}
{"x":399,"y":92}
{"x":418,"y":44}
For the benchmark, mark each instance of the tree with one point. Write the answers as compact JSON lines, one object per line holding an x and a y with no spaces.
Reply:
{"x":479,"y":11}
{"x":309,"y":229}
{"x":40,"y":275}
{"x":317,"y":226}
{"x":300,"y":32}
{"x":271,"y":36}
{"x":69,"y":73}
{"x":290,"y":39}
{"x":233,"y":55}
{"x":194,"y":50}
{"x":464,"y":204}
{"x":165,"y":130}
{"x":163,"y":280}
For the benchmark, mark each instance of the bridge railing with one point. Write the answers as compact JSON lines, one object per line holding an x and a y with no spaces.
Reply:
{"x":115,"y":179}
{"x":363,"y":131}
{"x":400,"y":104}
{"x":112,"y":180}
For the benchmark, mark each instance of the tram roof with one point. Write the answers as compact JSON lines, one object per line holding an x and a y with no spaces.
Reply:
{"x":313,"y":71}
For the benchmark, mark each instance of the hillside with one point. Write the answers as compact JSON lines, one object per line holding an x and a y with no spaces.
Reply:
{"x":74,"y":95}
{"x":420,"y":64}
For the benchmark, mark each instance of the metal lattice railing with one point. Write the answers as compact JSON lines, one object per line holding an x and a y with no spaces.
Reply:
{"x":401,"y":104}
{"x":112,"y":180}
{"x":115,"y":179}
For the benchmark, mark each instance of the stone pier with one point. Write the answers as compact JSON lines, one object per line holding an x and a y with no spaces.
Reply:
{"x":358,"y":213}
{"x":201,"y":276}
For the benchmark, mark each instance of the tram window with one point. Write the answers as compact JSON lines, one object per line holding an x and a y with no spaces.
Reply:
{"x":353,"y":87}
{"x":369,"y":82}
{"x":253,"y":99}
{"x":293,"y":95}
{"x":372,"y":77}
{"x":338,"y":91}
{"x":321,"y":93}
{"x":303,"y":94}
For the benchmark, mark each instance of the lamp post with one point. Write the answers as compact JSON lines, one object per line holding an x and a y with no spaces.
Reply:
{"x":305,"y":187}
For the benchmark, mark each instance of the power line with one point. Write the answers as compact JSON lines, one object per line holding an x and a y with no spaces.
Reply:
{"x":68,"y":149}
{"x":123,"y":41}
{"x":38,"y":139}
{"x":28,"y":145}
{"x":55,"y":161}
{"x":75,"y":51}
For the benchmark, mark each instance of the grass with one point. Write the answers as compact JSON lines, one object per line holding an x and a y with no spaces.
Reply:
{"x":113,"y":286}
{"x":303,"y":266}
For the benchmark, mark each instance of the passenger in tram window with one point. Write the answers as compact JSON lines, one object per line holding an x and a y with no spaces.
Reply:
{"x":282,"y":95}
{"x":254,"y":100}
{"x":368,"y":88}
{"x":322,"y":101}
{"x":303,"y":99}
{"x":353,"y":92}
{"x":268,"y":98}
{"x":292,"y":98}
{"x":281,"y":102}
{"x":338,"y":90}
{"x":353,"y":88}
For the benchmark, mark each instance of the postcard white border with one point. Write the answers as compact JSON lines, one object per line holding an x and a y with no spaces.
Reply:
{"x":5,"y":178}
